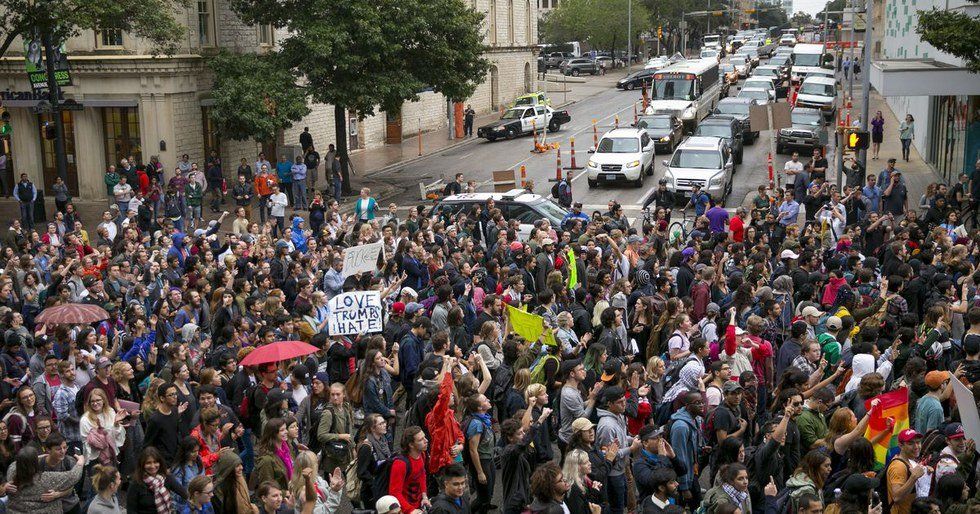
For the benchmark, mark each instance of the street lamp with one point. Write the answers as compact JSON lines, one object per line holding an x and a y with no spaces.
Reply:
{"x":629,"y":36}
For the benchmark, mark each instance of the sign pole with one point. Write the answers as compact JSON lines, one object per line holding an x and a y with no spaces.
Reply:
{"x":54,"y":95}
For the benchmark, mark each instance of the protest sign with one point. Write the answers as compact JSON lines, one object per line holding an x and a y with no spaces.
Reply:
{"x":529,"y":326}
{"x":357,"y":312}
{"x":967,"y":406}
{"x":359,"y":259}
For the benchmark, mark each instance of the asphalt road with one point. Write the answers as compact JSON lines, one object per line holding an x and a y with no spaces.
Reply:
{"x":478,"y":160}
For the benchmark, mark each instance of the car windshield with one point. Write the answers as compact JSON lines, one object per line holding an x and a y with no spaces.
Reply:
{"x":813,"y":88}
{"x":766,"y":72}
{"x":658,"y":122}
{"x":806,"y":59}
{"x":713,"y":129}
{"x":761,"y":84}
{"x":733,"y":108}
{"x":618,"y":145}
{"x":698,"y":159}
{"x":525,"y":100}
{"x":513,"y":114}
{"x":779,"y":60}
{"x":756,"y":94}
{"x":674,"y":89}
{"x":552,"y":211}
{"x":806,"y":118}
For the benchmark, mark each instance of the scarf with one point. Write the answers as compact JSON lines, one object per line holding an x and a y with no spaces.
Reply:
{"x":161,"y":496}
{"x":737,"y":496}
{"x":286,"y":458}
{"x":379,"y":447}
{"x":100,"y":439}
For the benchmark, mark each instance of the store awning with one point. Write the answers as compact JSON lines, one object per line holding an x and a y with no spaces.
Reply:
{"x":922,"y":77}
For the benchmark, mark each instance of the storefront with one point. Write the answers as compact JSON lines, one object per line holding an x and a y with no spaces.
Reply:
{"x":954,"y":135}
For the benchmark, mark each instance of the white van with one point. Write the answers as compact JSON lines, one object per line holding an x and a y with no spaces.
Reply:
{"x":818,"y":93}
{"x":806,"y":58}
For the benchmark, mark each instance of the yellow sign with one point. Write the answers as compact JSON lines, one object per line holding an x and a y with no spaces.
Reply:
{"x":529,"y":326}
{"x":572,"y":270}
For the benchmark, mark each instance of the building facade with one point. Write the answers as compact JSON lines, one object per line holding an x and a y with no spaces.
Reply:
{"x":140,"y":105}
{"x":934,"y":87}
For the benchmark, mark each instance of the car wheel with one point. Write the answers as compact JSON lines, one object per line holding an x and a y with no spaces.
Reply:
{"x":639,"y":181}
{"x":575,"y":72}
{"x":629,"y":86}
{"x":554,"y":126}
{"x":592,"y":183}
{"x":738,"y":158}
{"x":511,"y":133}
{"x":650,"y":169}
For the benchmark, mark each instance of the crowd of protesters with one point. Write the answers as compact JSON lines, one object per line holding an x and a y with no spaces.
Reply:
{"x":731,"y":369}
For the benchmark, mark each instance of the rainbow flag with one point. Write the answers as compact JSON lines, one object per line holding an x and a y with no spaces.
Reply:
{"x":895,"y":405}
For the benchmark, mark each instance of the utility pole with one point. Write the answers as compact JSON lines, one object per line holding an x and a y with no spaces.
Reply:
{"x":452,"y":119}
{"x":54,"y":96}
{"x":826,"y":24}
{"x":866,"y":76}
{"x":850,"y":76}
{"x":629,"y":37}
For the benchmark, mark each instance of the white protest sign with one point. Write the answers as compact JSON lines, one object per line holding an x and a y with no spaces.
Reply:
{"x":357,"y":312}
{"x":361,"y":258}
{"x":967,"y":405}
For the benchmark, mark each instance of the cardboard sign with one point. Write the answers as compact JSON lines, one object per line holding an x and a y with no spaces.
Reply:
{"x":357,"y":312}
{"x":967,"y":406}
{"x":359,"y":259}
{"x":781,"y":116}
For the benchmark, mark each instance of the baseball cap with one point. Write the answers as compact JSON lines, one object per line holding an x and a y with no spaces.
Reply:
{"x":833,"y":323}
{"x":908,"y":435}
{"x":687,"y":253}
{"x":104,"y":362}
{"x":935,"y":379}
{"x":634,"y":239}
{"x":789,"y":254}
{"x":954,"y":431}
{"x":547,"y":241}
{"x":610,"y":368}
{"x":810,"y":310}
{"x":857,"y":484}
{"x":611,"y":394}
{"x":650,"y":432}
{"x":412,"y":308}
{"x":731,"y":386}
{"x":516,"y":246}
{"x":387,"y":504}
{"x":398,"y":307}
{"x":739,"y":330}
{"x":713,"y":307}
{"x":581,"y":424}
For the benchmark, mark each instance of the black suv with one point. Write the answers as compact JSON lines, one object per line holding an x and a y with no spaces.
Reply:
{"x":738,"y":108}
{"x":576,"y":67}
{"x":637,"y":79}
{"x":720,"y":125}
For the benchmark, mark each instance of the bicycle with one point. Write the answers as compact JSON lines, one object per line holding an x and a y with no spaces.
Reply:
{"x":680,"y":230}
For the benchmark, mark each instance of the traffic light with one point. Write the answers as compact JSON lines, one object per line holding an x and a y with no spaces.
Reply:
{"x":858,"y":140}
{"x":50,"y":132}
{"x":660,"y":32}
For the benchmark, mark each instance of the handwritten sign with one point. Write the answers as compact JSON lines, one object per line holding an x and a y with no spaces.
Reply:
{"x":359,"y":259}
{"x":357,"y":312}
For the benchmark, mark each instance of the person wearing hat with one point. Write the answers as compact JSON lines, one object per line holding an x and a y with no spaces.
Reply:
{"x":828,"y":340}
{"x":728,"y":421}
{"x":575,"y":213}
{"x":685,"y":272}
{"x":611,"y":432}
{"x":903,"y":471}
{"x":811,"y":315}
{"x":929,"y":409}
{"x":387,"y":505}
{"x":545,"y":263}
{"x":656,"y":456}
{"x":959,"y":453}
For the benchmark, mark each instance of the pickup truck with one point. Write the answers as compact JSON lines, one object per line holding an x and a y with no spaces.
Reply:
{"x":555,"y":59}
{"x":518,"y":121}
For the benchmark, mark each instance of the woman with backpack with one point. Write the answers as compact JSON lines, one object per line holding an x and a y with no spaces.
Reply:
{"x":372,"y":450}
{"x":809,"y":477}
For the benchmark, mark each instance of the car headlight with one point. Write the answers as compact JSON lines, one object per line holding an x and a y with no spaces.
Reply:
{"x":783,"y":132}
{"x":632,"y":164}
{"x":665,"y":139}
{"x":669,"y":177}
{"x":593,"y":164}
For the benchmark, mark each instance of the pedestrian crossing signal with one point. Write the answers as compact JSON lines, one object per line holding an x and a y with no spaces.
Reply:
{"x":858,"y":140}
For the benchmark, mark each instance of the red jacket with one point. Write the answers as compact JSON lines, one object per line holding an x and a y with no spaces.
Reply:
{"x":208,"y":457}
{"x":444,"y":431}
{"x":144,"y":181}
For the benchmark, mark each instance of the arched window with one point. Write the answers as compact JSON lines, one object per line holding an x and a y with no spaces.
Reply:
{"x":493,"y":22}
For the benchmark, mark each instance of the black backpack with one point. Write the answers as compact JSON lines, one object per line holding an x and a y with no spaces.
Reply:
{"x":382,"y":480}
{"x":882,"y":488}
{"x":555,"y":190}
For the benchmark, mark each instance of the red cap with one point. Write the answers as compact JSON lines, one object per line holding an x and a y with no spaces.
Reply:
{"x":398,"y":307}
{"x":908,"y":435}
{"x":516,"y":246}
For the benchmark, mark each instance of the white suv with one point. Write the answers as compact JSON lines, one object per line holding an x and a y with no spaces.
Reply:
{"x":818,"y":93}
{"x":704,"y":161}
{"x":622,"y":154}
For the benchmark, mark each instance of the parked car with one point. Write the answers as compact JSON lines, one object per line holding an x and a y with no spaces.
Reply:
{"x":725,"y":127}
{"x":518,"y":121}
{"x":555,"y":59}
{"x":576,"y":67}
{"x":807,"y":131}
{"x":607,"y":63}
{"x":516,"y":204}
{"x":666,"y":130}
{"x":704,"y":161}
{"x":738,"y":108}
{"x":637,"y":79}
{"x":622,"y":154}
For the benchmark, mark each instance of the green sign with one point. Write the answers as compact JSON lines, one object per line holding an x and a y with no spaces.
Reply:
{"x":34,"y":63}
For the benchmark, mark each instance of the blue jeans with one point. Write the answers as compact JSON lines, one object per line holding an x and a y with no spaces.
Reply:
{"x":27,"y":215}
{"x":906,"y":148}
{"x":617,"y":494}
{"x":299,"y":195}
{"x":248,"y":452}
{"x":263,"y":208}
{"x":195,"y":212}
{"x":337,"y":188}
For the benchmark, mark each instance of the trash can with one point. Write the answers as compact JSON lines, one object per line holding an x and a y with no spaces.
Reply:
{"x":40,"y":215}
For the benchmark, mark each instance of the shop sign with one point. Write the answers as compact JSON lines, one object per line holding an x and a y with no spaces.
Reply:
{"x":36,"y":71}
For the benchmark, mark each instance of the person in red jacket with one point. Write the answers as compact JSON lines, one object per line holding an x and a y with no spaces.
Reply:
{"x":408,"y":479}
{"x":209,"y":435}
{"x":143,"y":181}
{"x":447,"y":438}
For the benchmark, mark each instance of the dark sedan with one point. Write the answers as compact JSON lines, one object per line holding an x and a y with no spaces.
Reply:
{"x":726,"y":127}
{"x":636,"y":80}
{"x":738,"y":108}
{"x":666,"y":130}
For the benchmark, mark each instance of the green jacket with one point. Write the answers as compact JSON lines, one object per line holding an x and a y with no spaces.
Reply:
{"x":716,"y":497}
{"x":813,"y":427}
{"x":269,"y":468}
{"x":330,"y":429}
{"x":193,"y":193}
{"x":111,"y":179}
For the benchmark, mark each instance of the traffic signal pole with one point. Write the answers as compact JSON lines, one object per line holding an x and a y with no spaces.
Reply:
{"x":866,"y":76}
{"x":54,"y":94}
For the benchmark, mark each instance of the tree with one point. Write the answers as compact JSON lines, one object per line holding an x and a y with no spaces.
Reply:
{"x":600,"y":23}
{"x":771,"y":18}
{"x":149,"y":19}
{"x":801,"y":19}
{"x":357,"y":55}
{"x":955,"y":33}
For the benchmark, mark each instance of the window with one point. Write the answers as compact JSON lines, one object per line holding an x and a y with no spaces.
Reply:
{"x":49,"y":161}
{"x":510,"y":21}
{"x":108,"y":38}
{"x":266,"y":35}
{"x":211,"y":139}
{"x":121,"y":126}
{"x":205,"y":23}
{"x":493,"y":22}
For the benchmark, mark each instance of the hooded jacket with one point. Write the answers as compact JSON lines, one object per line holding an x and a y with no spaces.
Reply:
{"x":611,"y":427}
{"x":687,"y":441}
{"x":299,"y":239}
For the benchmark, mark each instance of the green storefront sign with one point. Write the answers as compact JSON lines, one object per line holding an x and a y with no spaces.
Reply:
{"x":36,"y":72}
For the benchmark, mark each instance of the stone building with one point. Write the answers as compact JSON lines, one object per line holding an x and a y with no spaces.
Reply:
{"x":137,"y":104}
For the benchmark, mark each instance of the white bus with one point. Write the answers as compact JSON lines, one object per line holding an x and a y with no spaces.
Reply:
{"x":688,"y":90}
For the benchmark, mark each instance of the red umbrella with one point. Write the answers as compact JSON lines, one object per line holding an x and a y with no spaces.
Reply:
{"x":278,"y":351}
{"x":71,"y":313}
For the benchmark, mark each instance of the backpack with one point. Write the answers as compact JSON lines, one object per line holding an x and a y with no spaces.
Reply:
{"x":882,"y":488}
{"x":499,"y":384}
{"x":382,"y":480}
{"x":537,"y":370}
{"x":555,"y":190}
{"x":495,"y":457}
{"x":673,"y":373}
{"x":245,"y":408}
{"x":785,"y":500}
{"x":352,"y":482}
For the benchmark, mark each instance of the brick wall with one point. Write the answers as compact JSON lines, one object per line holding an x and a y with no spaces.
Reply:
{"x":188,"y":131}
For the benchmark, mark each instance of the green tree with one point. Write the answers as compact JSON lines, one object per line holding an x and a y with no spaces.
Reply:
{"x":600,"y":23}
{"x":357,"y":55}
{"x":955,"y":33}
{"x":150,"y":19}
{"x":771,"y":18}
{"x":801,"y":19}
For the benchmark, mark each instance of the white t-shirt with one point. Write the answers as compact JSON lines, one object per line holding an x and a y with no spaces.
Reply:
{"x":278,"y":201}
{"x":793,"y":166}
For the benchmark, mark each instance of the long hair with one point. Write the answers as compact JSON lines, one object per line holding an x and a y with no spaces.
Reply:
{"x":269,"y":442}
{"x":573,"y":466}
{"x":841,"y":422}
{"x":187,"y":446}
{"x":27,"y":467}
{"x":103,"y":477}
{"x":305,"y":459}
{"x":148,"y":454}
{"x":107,"y":410}
{"x":810,"y":466}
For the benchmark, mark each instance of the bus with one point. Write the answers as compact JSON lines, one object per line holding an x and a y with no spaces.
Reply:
{"x":688,"y":90}
{"x":572,"y":47}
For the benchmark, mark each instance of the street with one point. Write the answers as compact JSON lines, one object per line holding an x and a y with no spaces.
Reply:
{"x":478,"y":160}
